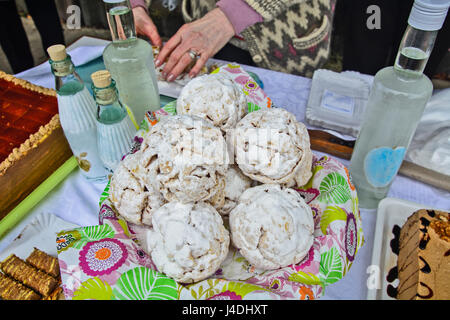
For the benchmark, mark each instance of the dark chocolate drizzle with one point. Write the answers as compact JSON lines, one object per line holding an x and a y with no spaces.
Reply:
{"x":423,"y":242}
{"x":392,"y":291}
{"x":425,"y":222}
{"x":395,"y":242}
{"x":395,"y":246}
{"x":426,"y":268}
{"x":430,"y":292}
{"x":392,"y":275}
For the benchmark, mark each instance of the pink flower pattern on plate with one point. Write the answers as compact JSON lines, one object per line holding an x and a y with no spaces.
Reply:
{"x":102,"y":257}
{"x":226,"y":295}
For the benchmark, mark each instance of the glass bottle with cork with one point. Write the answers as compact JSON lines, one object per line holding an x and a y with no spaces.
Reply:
{"x":397,"y":100}
{"x":130,"y":62}
{"x":115,"y":130}
{"x":76,"y":109}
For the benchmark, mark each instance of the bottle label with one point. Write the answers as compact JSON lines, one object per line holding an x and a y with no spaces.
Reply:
{"x":339,"y":103}
{"x":382,"y":164}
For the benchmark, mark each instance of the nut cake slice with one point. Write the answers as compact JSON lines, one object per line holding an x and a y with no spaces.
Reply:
{"x":424,"y":256}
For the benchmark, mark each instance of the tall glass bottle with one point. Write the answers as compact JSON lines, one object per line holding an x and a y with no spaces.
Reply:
{"x":130,"y":61}
{"x":398,"y":97}
{"x":76,"y":109}
{"x":115,"y":130}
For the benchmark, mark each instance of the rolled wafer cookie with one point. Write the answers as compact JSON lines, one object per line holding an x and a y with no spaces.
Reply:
{"x":13,"y":290}
{"x":44,"y":262}
{"x":33,"y":278}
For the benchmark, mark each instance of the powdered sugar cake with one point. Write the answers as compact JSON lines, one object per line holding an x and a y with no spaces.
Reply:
{"x":32,"y":143}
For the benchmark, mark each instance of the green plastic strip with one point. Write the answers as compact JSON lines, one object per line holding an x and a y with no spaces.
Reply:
{"x":23,"y":208}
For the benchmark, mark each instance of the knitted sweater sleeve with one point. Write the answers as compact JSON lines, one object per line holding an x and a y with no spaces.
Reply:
{"x":138,"y":3}
{"x":269,"y":9}
{"x":240,"y":14}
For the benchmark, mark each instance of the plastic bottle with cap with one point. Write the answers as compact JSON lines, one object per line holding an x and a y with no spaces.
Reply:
{"x":428,"y":15}
{"x":115,"y":130}
{"x":76,"y":109}
{"x":397,"y":100}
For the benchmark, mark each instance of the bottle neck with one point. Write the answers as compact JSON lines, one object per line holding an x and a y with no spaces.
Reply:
{"x":67,"y":81}
{"x":109,"y":107}
{"x":120,"y":21}
{"x":105,"y":96}
{"x":62,"y":68}
{"x":415,"y":50}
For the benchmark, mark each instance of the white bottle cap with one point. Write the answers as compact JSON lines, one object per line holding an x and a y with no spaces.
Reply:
{"x":428,"y":15}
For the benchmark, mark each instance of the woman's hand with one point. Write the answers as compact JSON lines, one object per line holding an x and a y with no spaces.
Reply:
{"x":205,"y":37}
{"x":145,"y":26}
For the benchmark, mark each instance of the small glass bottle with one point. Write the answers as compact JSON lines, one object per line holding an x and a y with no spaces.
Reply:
{"x":130,"y":62}
{"x":115,"y":130}
{"x":397,"y":100}
{"x":76,"y":109}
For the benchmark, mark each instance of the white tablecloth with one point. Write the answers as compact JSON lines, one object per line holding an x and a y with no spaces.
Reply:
{"x":76,"y":200}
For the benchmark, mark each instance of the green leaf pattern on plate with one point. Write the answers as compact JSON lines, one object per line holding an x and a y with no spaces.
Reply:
{"x":171,"y":107}
{"x":94,"y":233}
{"x":142,"y":283}
{"x":330,"y":266}
{"x":305,"y":277}
{"x":93,"y":289}
{"x":252,"y":107}
{"x":334,"y":188}
{"x":242,"y":288}
{"x":331,"y":213}
{"x":105,"y":194}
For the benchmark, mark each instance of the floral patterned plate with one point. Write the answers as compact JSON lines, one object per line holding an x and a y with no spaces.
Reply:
{"x":106,"y":262}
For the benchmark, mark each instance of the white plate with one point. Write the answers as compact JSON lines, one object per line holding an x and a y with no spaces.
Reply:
{"x":391,"y":212}
{"x":40,"y":233}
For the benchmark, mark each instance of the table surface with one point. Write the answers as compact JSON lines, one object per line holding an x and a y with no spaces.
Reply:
{"x":76,"y":200}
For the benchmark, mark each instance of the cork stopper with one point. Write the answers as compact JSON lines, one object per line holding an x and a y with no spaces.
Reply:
{"x":57,"y":52}
{"x":101,"y":78}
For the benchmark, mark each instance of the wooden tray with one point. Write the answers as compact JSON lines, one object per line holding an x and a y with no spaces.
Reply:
{"x":30,"y":171}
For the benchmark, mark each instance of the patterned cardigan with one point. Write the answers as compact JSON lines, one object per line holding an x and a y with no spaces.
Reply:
{"x":293,"y":38}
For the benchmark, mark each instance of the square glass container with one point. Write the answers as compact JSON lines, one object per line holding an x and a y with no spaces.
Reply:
{"x":337,"y":101}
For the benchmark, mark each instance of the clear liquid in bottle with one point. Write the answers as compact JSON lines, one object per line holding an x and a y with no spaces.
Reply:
{"x":130,"y":62}
{"x":76,"y":108}
{"x":115,"y":130}
{"x":396,"y":103}
{"x":121,"y":21}
{"x":412,"y":59}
